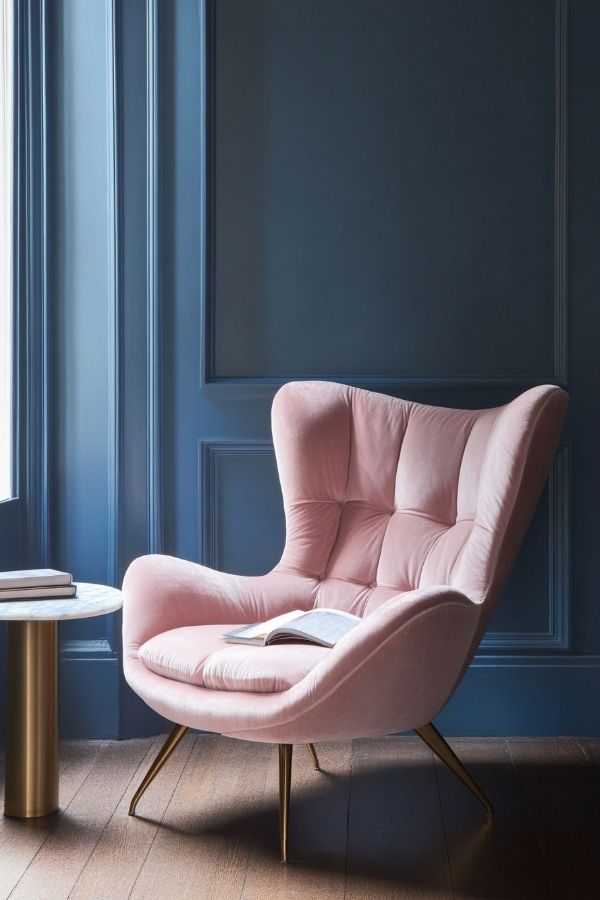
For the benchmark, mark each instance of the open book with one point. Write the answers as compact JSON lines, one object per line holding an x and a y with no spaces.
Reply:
{"x":315,"y":626}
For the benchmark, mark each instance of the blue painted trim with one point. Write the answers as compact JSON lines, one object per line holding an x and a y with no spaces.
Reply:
{"x":558,"y":635}
{"x":266,"y":388}
{"x":561,"y":317}
{"x":84,"y":650}
{"x":208,"y":155}
{"x":154,"y":418}
{"x":21,"y":460}
{"x":114,"y":300}
{"x":107,"y":649}
{"x":561,"y":525}
{"x":526,"y":695}
{"x":84,"y":711}
{"x":535,"y":661}
{"x":44,"y":485}
{"x":250,"y":387}
{"x":31,"y":283}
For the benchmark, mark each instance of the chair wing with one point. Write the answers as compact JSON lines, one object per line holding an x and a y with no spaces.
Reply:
{"x":383,"y":496}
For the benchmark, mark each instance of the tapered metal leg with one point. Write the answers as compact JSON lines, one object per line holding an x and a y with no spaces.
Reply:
{"x":436,"y":742}
{"x":161,"y":758}
{"x":313,"y":753}
{"x":285,"y":777}
{"x":31,"y":719}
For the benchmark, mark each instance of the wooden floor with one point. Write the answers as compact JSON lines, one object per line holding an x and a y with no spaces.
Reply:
{"x":382,"y":820}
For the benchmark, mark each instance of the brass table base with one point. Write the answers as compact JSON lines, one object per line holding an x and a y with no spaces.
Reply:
{"x":31,"y":784}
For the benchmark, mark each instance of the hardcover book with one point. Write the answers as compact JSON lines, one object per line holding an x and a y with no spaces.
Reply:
{"x":34,"y":578}
{"x":38,"y":593}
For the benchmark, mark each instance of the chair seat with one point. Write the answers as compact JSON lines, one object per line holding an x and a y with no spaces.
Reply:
{"x":198,"y":655}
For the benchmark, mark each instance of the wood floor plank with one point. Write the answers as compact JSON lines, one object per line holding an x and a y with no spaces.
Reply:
{"x":564,"y":799}
{"x":591,"y":749}
{"x":126,"y":840}
{"x":21,"y":839}
{"x":499,"y":858}
{"x":318,"y":828}
{"x":59,"y":862}
{"x":204,"y":843}
{"x":395,"y":836}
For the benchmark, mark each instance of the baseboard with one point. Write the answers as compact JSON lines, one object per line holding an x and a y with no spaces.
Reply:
{"x":527,"y":696}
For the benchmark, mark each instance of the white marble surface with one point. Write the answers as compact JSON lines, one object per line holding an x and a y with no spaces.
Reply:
{"x":91,"y":600}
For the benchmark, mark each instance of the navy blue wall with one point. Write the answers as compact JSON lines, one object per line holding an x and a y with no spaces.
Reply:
{"x":402,"y":196}
{"x":388,"y":197}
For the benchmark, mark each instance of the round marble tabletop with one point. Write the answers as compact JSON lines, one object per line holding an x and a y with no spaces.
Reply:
{"x":91,"y":600}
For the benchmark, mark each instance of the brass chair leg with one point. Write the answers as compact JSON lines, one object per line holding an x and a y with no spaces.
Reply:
{"x":161,"y":758}
{"x":315,"y":758}
{"x":285,"y":777}
{"x":431,"y":736}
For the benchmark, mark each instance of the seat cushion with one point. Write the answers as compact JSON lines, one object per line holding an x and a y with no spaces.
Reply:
{"x":197,"y":655}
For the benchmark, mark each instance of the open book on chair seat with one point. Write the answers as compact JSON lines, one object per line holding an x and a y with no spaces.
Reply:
{"x":314,"y":626}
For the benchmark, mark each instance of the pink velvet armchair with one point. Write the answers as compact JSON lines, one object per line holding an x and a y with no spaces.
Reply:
{"x":409,"y":516}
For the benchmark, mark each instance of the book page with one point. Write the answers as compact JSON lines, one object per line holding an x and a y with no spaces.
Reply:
{"x":324,"y":626}
{"x":260,"y":630}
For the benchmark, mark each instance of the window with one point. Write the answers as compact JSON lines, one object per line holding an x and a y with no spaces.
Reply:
{"x":6,"y":249}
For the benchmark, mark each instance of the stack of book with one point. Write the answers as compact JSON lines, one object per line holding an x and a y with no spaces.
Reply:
{"x":36,"y":584}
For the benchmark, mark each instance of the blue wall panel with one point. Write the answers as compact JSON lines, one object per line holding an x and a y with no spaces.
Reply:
{"x":378,"y":158}
{"x":84,"y":352}
{"x":397,"y":220}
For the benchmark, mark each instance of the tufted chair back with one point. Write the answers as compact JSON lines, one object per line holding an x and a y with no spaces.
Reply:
{"x":383,"y":496}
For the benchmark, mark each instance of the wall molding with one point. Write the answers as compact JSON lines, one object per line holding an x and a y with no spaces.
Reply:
{"x":536,"y":661}
{"x":264,"y":389}
{"x":211,"y":456}
{"x":31,"y":279}
{"x":249,"y":387}
{"x":207,"y":201}
{"x":83,"y":650}
{"x":114,"y":178}
{"x":561,"y":312}
{"x":558,"y":634}
{"x":153,"y":247}
{"x":107,"y":648}
{"x":562,"y":696}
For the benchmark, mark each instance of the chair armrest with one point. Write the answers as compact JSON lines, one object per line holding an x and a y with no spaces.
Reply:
{"x":163,"y":592}
{"x":394,"y":672}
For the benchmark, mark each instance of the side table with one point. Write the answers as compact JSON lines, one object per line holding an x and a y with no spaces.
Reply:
{"x":31,"y":759}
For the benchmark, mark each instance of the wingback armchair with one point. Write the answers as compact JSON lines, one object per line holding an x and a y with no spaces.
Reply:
{"x":409,"y":516}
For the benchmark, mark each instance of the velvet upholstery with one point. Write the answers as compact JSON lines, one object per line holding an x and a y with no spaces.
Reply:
{"x":407,"y":515}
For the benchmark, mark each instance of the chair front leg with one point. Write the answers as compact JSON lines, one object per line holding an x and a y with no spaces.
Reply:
{"x":161,"y":758}
{"x":434,"y":740}
{"x":285,"y":778}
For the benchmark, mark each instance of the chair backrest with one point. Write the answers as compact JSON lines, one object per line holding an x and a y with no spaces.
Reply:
{"x":384,"y":496}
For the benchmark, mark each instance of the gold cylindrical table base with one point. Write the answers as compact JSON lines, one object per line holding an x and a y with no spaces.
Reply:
{"x":31,"y":784}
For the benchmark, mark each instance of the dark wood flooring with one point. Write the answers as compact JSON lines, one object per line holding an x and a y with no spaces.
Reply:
{"x":383,"y":819}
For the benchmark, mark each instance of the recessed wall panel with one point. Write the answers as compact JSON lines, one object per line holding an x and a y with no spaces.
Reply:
{"x":384,"y":186}
{"x":242,"y":507}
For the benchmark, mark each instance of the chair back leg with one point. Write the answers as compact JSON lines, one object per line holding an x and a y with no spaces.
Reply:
{"x":314,"y":757}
